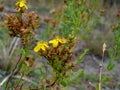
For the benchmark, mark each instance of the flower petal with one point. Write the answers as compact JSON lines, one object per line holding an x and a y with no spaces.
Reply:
{"x":57,"y":40}
{"x":41,"y":46}
{"x":36,"y":49}
{"x":54,"y":42}
{"x":22,"y":3}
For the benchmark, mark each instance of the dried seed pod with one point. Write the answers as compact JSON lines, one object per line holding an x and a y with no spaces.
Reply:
{"x":1,"y":8}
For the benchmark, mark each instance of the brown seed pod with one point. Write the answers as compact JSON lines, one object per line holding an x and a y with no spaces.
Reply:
{"x":113,"y":27}
{"x":65,"y":1}
{"x":1,"y":8}
{"x":102,"y":11}
{"x":47,"y":19}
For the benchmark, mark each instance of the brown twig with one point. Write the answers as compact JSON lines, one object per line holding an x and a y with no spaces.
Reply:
{"x":51,"y":85}
{"x":48,"y":86}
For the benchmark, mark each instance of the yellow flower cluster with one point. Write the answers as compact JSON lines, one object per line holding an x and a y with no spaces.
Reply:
{"x":55,"y":42}
{"x":43,"y":45}
{"x":21,"y":4}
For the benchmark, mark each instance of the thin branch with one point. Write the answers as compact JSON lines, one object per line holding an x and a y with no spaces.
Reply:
{"x":17,"y":77}
{"x":101,"y":66}
{"x":25,"y":79}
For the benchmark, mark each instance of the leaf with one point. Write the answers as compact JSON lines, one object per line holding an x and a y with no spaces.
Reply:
{"x":105,"y":79}
{"x":21,"y":51}
{"x":64,"y":83}
{"x":110,"y":66}
{"x":80,"y":58}
{"x":81,"y":73}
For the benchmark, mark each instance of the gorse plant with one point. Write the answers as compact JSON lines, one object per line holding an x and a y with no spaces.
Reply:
{"x":59,"y":56}
{"x":58,"y":52}
{"x":22,"y":24}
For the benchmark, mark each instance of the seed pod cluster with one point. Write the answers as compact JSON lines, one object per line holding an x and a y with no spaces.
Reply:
{"x":23,"y":26}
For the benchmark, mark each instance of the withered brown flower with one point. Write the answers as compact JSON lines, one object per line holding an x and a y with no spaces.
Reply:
{"x":22,"y":27}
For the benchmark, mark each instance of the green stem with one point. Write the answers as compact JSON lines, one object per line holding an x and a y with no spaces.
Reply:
{"x":100,"y":72}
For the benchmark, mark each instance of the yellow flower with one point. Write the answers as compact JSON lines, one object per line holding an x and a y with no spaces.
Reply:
{"x":41,"y":46}
{"x":22,"y":3}
{"x":55,"y":42}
